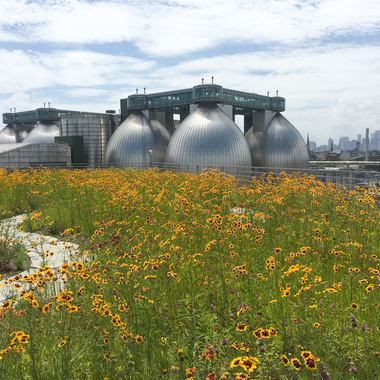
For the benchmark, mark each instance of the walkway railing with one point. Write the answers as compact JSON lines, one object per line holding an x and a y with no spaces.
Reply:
{"x":346,"y":177}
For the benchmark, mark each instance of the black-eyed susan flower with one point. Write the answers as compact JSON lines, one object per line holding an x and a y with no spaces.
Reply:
{"x":354,"y":306}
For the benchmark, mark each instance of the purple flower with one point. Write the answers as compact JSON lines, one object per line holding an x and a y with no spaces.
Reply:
{"x":352,"y":369}
{"x":224,"y":342}
{"x":362,"y":327}
{"x":231,"y":315}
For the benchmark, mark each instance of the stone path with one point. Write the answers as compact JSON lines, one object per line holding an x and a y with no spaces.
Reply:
{"x":42,"y":251}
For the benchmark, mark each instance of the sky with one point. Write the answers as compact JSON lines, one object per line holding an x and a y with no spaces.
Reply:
{"x":322,"y":56}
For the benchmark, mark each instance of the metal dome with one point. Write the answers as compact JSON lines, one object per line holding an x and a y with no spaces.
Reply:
{"x":208,"y":137}
{"x":22,"y":135}
{"x":281,"y":146}
{"x":44,"y":132}
{"x":9,"y":135}
{"x":134,"y":138}
{"x":254,"y":140}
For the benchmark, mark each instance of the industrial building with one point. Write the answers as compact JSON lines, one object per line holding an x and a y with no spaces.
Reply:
{"x":203,"y":134}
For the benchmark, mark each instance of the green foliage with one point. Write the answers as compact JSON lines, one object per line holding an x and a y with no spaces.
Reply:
{"x":181,"y":273}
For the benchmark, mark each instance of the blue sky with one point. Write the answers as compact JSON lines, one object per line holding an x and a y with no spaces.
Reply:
{"x":322,"y":56}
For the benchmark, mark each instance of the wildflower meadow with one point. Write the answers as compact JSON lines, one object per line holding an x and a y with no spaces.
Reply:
{"x":194,"y":276}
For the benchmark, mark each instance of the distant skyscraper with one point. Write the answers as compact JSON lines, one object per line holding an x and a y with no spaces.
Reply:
{"x":330,"y":143}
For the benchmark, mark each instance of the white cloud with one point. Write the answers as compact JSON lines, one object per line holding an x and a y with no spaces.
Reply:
{"x":301,"y":48}
{"x":25,"y":70}
{"x":163,"y":28}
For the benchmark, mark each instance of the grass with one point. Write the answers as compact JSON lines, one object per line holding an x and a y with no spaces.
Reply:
{"x":13,"y":258}
{"x":195,"y":276}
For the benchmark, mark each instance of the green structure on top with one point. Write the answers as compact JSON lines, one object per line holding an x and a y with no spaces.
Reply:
{"x":31,"y":117}
{"x":243,"y":103}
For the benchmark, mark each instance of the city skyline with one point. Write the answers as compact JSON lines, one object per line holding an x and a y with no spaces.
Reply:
{"x":322,"y":56}
{"x":344,"y":143}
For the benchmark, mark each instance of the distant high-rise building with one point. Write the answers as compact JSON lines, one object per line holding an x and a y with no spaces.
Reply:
{"x":330,"y":143}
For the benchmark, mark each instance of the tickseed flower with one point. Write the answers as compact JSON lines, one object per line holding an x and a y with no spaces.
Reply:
{"x":241,"y":327}
{"x":190,"y":372}
{"x":249,"y":363}
{"x":316,"y":324}
{"x":285,"y":360}
{"x":139,"y":339}
{"x":241,"y":376}
{"x":235,"y":362}
{"x":273,"y":331}
{"x":310,"y":363}
{"x":354,"y":305}
{"x":62,"y":343}
{"x":296,"y":364}
{"x":370,"y":287}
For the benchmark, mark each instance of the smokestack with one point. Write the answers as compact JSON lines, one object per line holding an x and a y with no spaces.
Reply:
{"x":366,"y":144}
